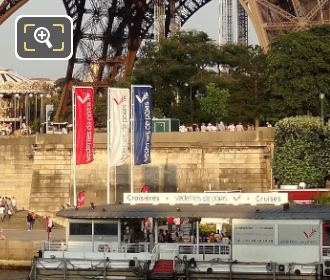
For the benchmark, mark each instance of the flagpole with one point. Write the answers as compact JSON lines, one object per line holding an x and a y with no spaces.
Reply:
{"x":74,"y":156}
{"x":115,"y":179}
{"x":108,"y":147}
{"x":132,"y":138}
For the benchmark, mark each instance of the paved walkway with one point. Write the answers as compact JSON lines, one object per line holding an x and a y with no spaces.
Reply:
{"x":34,"y":235}
{"x":16,"y":229}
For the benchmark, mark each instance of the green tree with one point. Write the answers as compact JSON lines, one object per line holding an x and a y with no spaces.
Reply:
{"x":298,"y":68}
{"x":215,"y":102}
{"x":301,"y":151}
{"x":246,"y":81}
{"x":177,"y":69}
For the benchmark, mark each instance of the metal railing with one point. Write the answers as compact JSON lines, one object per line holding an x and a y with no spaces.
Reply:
{"x":205,"y":249}
{"x":142,"y":247}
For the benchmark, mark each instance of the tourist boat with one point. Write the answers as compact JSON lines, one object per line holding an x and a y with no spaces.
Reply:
{"x":124,"y":241}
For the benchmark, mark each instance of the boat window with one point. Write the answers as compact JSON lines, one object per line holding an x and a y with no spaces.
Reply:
{"x":326,"y":235}
{"x":80,"y":229}
{"x":105,"y":229}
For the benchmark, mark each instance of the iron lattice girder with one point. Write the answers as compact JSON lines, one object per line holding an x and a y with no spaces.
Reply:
{"x":272,"y":17}
{"x":8,"y":7}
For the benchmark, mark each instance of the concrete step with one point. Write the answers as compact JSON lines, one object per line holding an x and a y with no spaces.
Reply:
{"x":55,"y":200}
{"x":48,"y":194}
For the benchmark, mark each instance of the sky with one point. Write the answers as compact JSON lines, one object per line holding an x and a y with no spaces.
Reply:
{"x":57,"y":69}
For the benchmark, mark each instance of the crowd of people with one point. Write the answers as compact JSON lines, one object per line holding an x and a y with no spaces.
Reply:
{"x":219,"y":126}
{"x":7,"y":128}
{"x":8,"y":207}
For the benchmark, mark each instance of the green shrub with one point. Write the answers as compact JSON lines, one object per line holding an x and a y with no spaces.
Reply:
{"x":302,"y":148}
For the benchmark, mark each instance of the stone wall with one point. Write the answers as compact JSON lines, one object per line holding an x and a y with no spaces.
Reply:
{"x":14,"y":254}
{"x":182,"y":162}
{"x":16,"y":164}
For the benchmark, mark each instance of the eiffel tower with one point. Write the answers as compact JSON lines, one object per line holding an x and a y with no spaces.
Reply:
{"x":108,"y":33}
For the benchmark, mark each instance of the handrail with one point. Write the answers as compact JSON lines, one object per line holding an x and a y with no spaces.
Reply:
{"x":175,"y":254}
{"x":155,"y":253}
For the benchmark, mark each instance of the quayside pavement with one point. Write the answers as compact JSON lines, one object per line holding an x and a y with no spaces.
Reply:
{"x":20,"y":245}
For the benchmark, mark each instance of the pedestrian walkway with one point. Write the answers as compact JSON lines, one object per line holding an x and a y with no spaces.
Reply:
{"x":17,"y":229}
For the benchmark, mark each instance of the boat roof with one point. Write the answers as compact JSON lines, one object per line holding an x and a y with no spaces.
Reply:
{"x":115,"y":211}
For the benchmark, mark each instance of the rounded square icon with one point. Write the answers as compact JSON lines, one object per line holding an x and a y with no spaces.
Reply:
{"x":45,"y":37}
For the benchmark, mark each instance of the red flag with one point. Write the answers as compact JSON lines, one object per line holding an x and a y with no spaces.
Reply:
{"x":84,"y":124}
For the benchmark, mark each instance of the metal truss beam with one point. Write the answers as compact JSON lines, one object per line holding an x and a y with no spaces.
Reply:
{"x":273,"y":17}
{"x":8,"y":7}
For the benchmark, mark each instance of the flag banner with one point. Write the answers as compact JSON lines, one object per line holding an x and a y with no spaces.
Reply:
{"x":142,"y":124}
{"x":84,"y":124}
{"x":119,"y":106}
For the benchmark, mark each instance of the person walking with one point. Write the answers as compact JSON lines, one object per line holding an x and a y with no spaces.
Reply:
{"x":29,"y":221}
{"x":34,"y":217}
{"x":5,"y":213}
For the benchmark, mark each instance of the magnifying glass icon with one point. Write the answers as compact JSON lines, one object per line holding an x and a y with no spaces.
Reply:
{"x":41,"y":35}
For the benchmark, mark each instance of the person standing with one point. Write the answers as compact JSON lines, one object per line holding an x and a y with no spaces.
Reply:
{"x":81,"y":199}
{"x":29,"y":221}
{"x":14,"y":203}
{"x":5,"y":213}
{"x":2,"y":236}
{"x":49,"y":226}
{"x":33,"y":219}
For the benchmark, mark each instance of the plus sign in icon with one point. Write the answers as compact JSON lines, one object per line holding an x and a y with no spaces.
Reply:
{"x":43,"y":37}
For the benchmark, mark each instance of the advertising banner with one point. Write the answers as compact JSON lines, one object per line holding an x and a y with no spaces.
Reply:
{"x":251,"y":234}
{"x":206,"y":198}
{"x":304,"y":234}
{"x":84,"y":124}
{"x":119,"y":106}
{"x":142,"y":124}
{"x":49,"y":118}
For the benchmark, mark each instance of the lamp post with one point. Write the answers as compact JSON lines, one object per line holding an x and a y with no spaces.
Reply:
{"x":190,"y":100}
{"x":322,"y":96}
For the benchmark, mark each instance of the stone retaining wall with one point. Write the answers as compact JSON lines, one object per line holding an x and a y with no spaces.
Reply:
{"x":38,"y":168}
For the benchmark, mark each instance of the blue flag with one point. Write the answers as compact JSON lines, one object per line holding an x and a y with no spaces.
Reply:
{"x":142,"y":124}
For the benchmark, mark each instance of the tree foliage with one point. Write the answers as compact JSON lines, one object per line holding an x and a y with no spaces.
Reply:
{"x":246,"y":81}
{"x":181,"y":68}
{"x":298,"y":68}
{"x":301,"y":151}
{"x":172,"y":68}
{"x":215,"y":102}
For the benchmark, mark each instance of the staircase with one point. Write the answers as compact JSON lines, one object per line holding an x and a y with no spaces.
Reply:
{"x":163,"y":269}
{"x":50,"y":180}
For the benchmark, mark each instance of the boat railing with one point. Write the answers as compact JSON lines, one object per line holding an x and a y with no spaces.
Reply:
{"x":205,"y":249}
{"x":142,"y":247}
{"x":175,"y":255}
{"x":155,"y":253}
{"x":54,"y":245}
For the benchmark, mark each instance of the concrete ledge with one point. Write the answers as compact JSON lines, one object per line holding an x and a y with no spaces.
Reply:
{"x":15,"y":264}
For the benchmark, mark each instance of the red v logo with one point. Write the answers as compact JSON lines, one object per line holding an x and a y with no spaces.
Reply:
{"x":123,"y":99}
{"x":83,"y":100}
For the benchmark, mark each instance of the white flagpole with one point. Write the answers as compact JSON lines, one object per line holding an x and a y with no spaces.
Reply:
{"x":132,"y":138}
{"x":115,"y":179}
{"x":74,"y":156}
{"x":108,"y":147}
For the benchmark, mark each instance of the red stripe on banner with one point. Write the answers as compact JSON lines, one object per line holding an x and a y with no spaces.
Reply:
{"x":84,"y":124}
